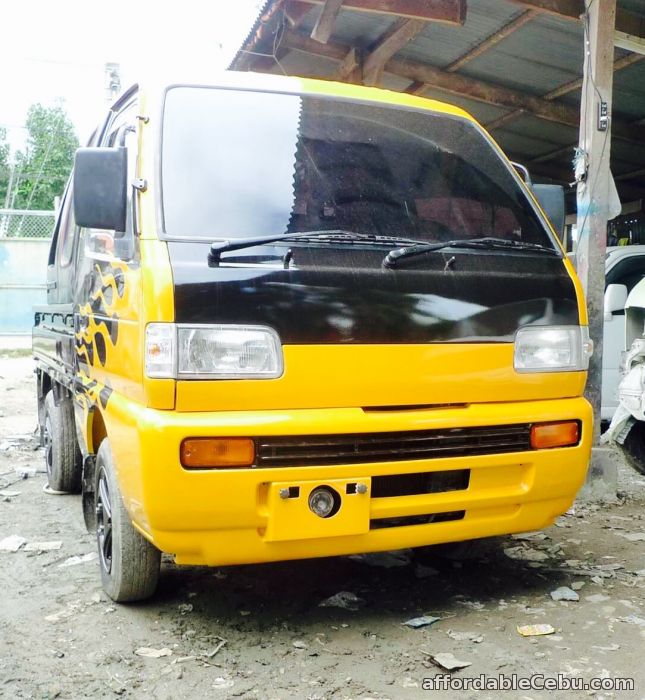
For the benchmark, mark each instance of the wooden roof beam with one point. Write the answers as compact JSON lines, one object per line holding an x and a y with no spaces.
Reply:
{"x":461,"y":85}
{"x":493,"y":39}
{"x":351,"y":67}
{"x":449,"y":11}
{"x":630,"y":42}
{"x":631,"y":175}
{"x":324,"y":27}
{"x":295,"y":11}
{"x":626,"y":22}
{"x":565,"y":89}
{"x":398,"y":35}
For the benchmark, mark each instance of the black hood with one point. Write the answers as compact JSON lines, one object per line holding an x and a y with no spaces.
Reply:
{"x":344,"y":295}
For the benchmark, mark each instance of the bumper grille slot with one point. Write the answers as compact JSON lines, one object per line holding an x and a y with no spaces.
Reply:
{"x":320,"y":450}
{"x":417,"y":519}
{"x":419,"y":483}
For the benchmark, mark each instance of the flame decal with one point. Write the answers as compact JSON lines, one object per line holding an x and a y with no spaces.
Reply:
{"x":97,"y":330}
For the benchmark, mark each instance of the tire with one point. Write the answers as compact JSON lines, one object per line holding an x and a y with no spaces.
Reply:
{"x":634,"y":447}
{"x":63,"y":459}
{"x":129,"y":563}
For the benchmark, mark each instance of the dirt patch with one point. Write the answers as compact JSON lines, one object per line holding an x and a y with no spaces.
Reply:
{"x":259,"y":631}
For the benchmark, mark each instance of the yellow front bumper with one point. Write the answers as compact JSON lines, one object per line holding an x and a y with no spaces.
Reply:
{"x":235,"y":516}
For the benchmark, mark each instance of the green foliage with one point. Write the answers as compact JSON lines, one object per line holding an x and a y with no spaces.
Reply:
{"x":4,"y":165}
{"x":42,"y":170}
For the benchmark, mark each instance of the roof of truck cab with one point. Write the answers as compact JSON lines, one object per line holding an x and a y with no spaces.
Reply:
{"x":307,"y":86}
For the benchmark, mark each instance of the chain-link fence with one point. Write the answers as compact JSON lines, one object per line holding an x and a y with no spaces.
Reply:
{"x":19,"y":223}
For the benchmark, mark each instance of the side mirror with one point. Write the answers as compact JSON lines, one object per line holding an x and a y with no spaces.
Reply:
{"x":100,"y":188}
{"x":615,"y":298}
{"x":551,"y":199}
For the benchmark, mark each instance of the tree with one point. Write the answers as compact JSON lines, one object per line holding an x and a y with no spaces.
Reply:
{"x":42,"y":170}
{"x":5,"y":167}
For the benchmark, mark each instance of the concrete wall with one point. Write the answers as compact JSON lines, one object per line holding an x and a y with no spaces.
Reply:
{"x":23,"y":276}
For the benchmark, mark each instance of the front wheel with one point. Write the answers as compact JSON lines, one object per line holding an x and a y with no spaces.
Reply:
{"x":129,"y":563}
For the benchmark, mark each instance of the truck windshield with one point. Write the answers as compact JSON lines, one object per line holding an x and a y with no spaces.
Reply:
{"x":240,"y":164}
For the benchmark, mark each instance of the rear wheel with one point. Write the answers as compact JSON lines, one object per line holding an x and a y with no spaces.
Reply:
{"x":129,"y":563}
{"x":63,"y":459}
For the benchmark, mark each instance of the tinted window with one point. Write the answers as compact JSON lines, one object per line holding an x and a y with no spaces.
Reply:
{"x":244,"y":164}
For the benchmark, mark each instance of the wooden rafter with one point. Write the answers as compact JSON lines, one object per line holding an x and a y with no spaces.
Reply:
{"x":565,"y":89}
{"x":324,"y":27}
{"x":398,"y":35}
{"x":450,"y":11}
{"x":619,"y":64}
{"x":493,"y":40}
{"x":504,"y":119}
{"x":350,"y":68}
{"x":555,"y":153}
{"x":631,"y":175}
{"x":295,"y":11}
{"x":461,"y":85}
{"x":626,"y":22}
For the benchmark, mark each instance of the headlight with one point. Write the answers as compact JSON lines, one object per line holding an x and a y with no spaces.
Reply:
{"x":213,"y":352}
{"x":552,"y":349}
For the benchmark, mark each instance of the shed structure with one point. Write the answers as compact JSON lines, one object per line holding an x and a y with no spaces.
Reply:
{"x":516,"y":65}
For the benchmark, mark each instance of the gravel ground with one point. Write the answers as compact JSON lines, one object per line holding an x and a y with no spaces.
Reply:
{"x":259,"y":631}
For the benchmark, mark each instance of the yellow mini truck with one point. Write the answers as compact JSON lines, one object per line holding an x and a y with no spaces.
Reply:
{"x":291,"y":318}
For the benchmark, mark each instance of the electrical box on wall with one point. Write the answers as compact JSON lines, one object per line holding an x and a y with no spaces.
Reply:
{"x":603,"y":116}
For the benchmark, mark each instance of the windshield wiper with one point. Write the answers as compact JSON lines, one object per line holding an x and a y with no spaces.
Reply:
{"x":328,"y":236}
{"x":486,"y":243}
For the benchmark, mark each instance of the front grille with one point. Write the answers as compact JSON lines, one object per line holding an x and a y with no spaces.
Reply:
{"x":320,"y":450}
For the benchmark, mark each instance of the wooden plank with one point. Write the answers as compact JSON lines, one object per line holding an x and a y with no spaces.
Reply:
{"x":594,"y":192}
{"x":504,"y":119}
{"x":555,"y":153}
{"x":619,"y":64}
{"x":566,"y":9}
{"x":295,"y":11}
{"x":449,"y":82}
{"x":493,"y":40}
{"x":626,"y":22}
{"x":449,"y":11}
{"x":324,"y":27}
{"x":350,"y":69}
{"x":415,"y":88}
{"x":565,"y":89}
{"x":630,"y":42}
{"x":633,"y":174}
{"x":398,"y":35}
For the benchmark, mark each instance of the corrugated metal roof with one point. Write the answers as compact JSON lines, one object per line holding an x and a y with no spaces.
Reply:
{"x":527,"y":66}
{"x":441,"y":44}
{"x":540,"y":56}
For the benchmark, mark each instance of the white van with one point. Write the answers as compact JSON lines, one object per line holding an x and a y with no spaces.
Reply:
{"x":624,"y":269}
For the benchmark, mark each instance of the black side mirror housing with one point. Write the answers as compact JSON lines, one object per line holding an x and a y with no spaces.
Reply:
{"x":100,"y":188}
{"x":551,"y":199}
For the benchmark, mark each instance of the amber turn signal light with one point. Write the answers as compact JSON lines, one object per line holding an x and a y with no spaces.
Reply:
{"x":217,"y":453}
{"x":561,"y":434}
